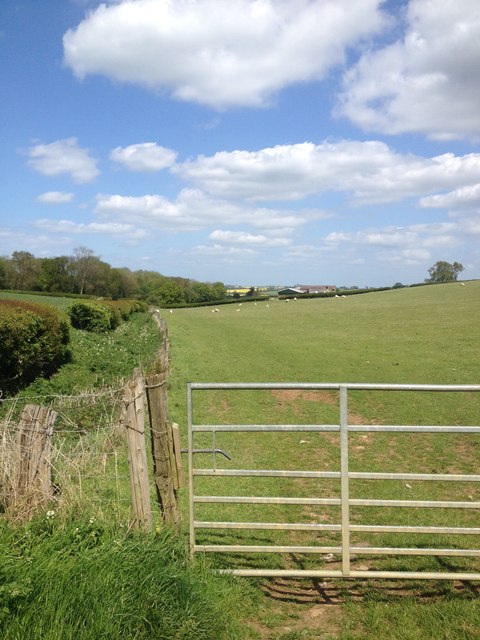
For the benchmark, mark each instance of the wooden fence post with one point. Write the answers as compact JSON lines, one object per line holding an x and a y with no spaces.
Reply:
{"x":165,"y":462}
{"x":32,"y":476}
{"x":134,"y":399}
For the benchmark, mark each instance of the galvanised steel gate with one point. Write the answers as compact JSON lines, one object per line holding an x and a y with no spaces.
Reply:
{"x":344,"y":476}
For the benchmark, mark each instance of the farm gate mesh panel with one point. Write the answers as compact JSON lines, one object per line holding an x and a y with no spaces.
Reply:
{"x":331,"y":522}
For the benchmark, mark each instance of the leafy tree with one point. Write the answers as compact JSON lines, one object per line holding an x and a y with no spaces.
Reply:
{"x":3,"y":272}
{"x":56,"y":274}
{"x":83,"y":262}
{"x":22,"y":271}
{"x":444,"y":272}
{"x":170,"y":292}
{"x":123,"y":283}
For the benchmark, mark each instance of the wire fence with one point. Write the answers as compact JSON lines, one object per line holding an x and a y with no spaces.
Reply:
{"x":88,"y":453}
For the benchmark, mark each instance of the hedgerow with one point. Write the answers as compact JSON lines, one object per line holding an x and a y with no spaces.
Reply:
{"x":91,"y":316}
{"x":34,"y":342}
{"x":100,"y":316}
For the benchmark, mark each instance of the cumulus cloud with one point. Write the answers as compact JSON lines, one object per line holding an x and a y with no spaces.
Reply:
{"x":244,"y":53}
{"x":220,"y":251}
{"x":370,"y":171}
{"x":110,"y":228}
{"x":245,"y":238}
{"x":412,"y":244}
{"x":463,"y":197}
{"x":55,"y":197}
{"x":146,"y":156}
{"x":63,"y":156}
{"x":428,"y":81}
{"x":193,"y":210}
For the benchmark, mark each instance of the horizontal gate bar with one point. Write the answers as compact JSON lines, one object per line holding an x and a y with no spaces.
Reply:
{"x":283,"y":526}
{"x":239,"y":548}
{"x":299,"y":573}
{"x":356,"y":386}
{"x":336,"y":501}
{"x":358,"y":528}
{"x":265,"y":500}
{"x":354,"y":475}
{"x":318,"y":428}
{"x":207,"y":428}
{"x":379,"y":551}
{"x":266,"y":473}
{"x":387,"y":428}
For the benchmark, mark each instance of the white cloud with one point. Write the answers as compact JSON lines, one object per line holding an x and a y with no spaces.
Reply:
{"x":412,"y":244}
{"x":55,"y":197}
{"x":370,"y":170}
{"x":63,"y":156}
{"x":463,"y":197}
{"x":220,"y":251}
{"x":218,"y":53}
{"x":428,"y":81}
{"x":146,"y":156}
{"x":193,"y":210}
{"x":110,"y":228}
{"x":243,"y":237}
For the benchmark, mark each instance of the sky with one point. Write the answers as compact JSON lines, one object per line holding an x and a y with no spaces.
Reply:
{"x":251,"y":142}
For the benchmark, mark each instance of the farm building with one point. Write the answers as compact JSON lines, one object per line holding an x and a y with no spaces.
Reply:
{"x":300,"y":289}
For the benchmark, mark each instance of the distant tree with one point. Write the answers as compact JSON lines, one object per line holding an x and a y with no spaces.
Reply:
{"x":122,"y":283}
{"x":444,"y":272}
{"x":3,"y":272}
{"x":56,"y":274}
{"x":22,"y":271}
{"x":250,"y":293}
{"x":83,"y":263}
{"x":398,"y":285}
{"x":170,"y":292}
{"x":218,"y":290}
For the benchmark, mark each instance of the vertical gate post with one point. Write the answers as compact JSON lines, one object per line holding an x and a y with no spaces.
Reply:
{"x":134,"y":399}
{"x":344,"y":481}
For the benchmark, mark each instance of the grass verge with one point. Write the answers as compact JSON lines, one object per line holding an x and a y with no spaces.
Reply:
{"x":80,"y":580}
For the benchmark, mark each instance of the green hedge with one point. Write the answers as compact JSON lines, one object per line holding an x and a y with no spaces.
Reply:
{"x":91,"y":316}
{"x":34,"y":342}
{"x":100,"y":316}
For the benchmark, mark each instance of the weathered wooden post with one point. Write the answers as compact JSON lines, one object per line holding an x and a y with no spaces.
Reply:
{"x":134,"y":399}
{"x":165,"y":463}
{"x":32,"y":475}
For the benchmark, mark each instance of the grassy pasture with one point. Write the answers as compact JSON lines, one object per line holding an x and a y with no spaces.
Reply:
{"x":427,"y":335}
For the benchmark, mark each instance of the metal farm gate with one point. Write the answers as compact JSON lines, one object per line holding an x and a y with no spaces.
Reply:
{"x":345,"y":551}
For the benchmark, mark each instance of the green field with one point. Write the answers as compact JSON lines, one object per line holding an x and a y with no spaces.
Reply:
{"x":425,"y":335}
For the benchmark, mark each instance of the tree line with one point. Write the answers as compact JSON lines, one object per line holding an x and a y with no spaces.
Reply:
{"x":85,"y":273}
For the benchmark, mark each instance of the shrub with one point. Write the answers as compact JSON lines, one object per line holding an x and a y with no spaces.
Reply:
{"x":91,"y":316}
{"x":34,"y":342}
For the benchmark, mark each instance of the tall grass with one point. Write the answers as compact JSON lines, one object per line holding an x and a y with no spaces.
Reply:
{"x":81,"y":581}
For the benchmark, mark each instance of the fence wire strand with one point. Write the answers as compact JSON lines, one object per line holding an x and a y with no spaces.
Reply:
{"x":88,"y":451}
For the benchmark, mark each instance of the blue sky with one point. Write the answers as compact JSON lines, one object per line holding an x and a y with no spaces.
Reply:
{"x":248,"y":141}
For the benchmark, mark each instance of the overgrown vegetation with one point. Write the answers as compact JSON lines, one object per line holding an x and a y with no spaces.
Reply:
{"x":82,"y":580}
